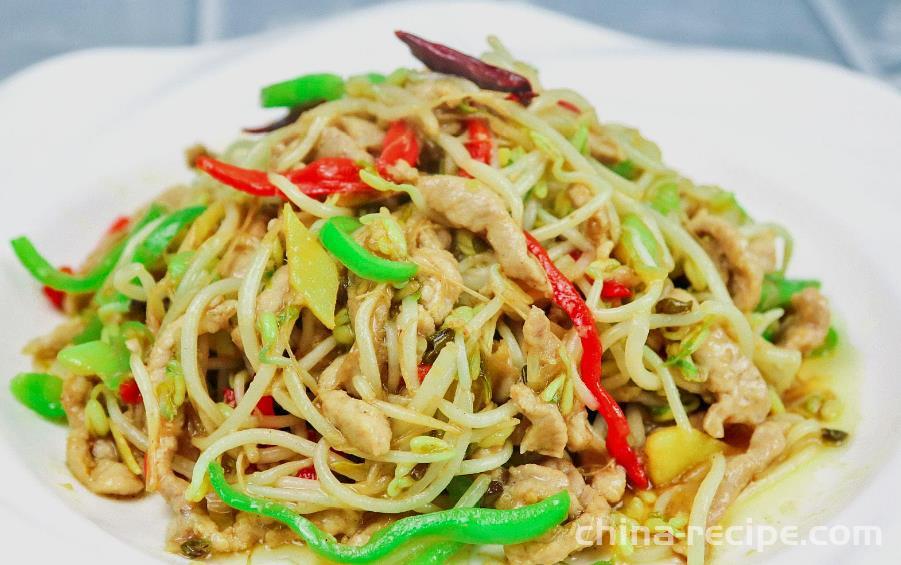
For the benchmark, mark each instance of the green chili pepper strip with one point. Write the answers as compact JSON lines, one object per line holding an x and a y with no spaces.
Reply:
{"x":461,"y":525}
{"x":91,"y":332}
{"x":109,"y":362}
{"x":40,"y":392}
{"x":438,"y":553}
{"x":303,"y":90}
{"x":50,"y":276}
{"x":335,"y":236}
{"x":155,"y":244}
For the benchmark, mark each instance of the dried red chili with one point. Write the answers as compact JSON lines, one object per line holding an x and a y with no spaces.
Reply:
{"x":443,"y":59}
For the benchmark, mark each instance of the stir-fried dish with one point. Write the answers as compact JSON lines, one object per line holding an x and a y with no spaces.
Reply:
{"x":428,"y":312}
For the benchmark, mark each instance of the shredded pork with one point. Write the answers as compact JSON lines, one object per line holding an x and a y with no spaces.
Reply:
{"x":466,"y":203}
{"x":439,"y":273}
{"x":767,"y":443}
{"x":364,"y":426}
{"x":541,"y":342}
{"x":102,"y":475}
{"x":806,"y":326}
{"x":594,"y":501}
{"x":741,"y":270}
{"x":740,"y":391}
{"x":547,"y":433}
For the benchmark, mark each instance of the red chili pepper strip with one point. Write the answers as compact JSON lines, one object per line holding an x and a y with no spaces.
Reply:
{"x":568,"y":298}
{"x":615,"y":289}
{"x":56,"y":297}
{"x":245,"y":180}
{"x":119,"y":224}
{"x":400,"y":144}
{"x":318,"y":179}
{"x":329,"y":175}
{"x":266,"y":405}
{"x":422,"y":370}
{"x":307,"y":473}
{"x":443,"y":59}
{"x":479,"y":144}
{"x":130,"y":393}
{"x":569,"y":106}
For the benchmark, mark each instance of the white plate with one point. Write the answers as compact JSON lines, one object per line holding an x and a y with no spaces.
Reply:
{"x":90,"y":135}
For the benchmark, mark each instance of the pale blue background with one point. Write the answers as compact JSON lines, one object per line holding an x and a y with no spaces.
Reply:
{"x":860,"y":34}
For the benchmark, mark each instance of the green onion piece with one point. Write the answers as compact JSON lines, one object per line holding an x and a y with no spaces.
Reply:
{"x":682,"y":360}
{"x":48,"y":275}
{"x":376,"y":78}
{"x":460,"y":525}
{"x":155,"y":244}
{"x":540,"y":189}
{"x":829,"y":344}
{"x":303,"y":90}
{"x":579,"y":140}
{"x":268,"y":325}
{"x":666,"y":198}
{"x":777,"y":290}
{"x":625,"y":169}
{"x":641,"y":248}
{"x":552,"y":391}
{"x":686,"y":366}
{"x":40,"y":392}
{"x":109,"y":362}
{"x":507,"y":156}
{"x":336,"y":237}
{"x":691,"y":343}
{"x":171,"y":392}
